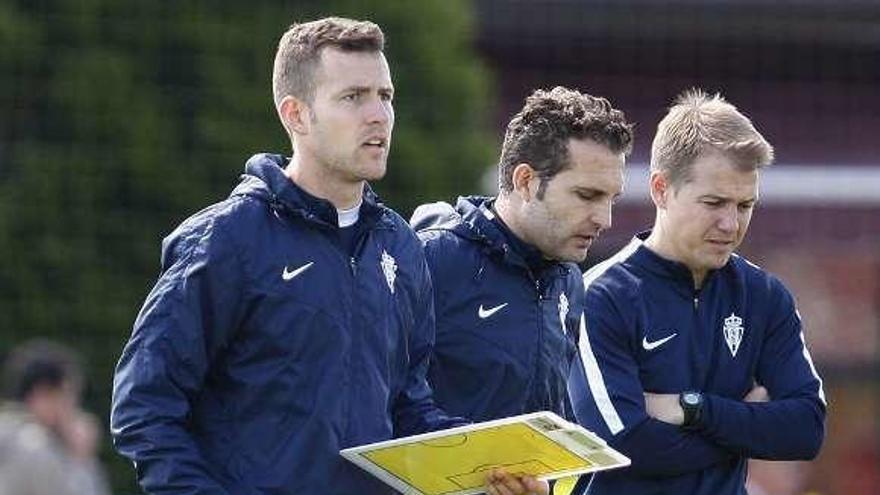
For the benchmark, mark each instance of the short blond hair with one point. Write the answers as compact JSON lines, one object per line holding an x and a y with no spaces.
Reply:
{"x":697,"y":123}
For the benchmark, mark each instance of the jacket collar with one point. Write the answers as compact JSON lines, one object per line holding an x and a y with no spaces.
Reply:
{"x":264,"y":178}
{"x":480,"y":222}
{"x":672,"y":270}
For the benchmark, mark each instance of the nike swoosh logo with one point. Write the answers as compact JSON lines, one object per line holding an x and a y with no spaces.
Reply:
{"x":289,"y":275}
{"x":650,"y":346}
{"x":485,"y":313}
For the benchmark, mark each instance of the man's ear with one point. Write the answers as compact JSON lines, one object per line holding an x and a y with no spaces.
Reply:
{"x":295,"y":115}
{"x":525,"y":181}
{"x":660,"y":188}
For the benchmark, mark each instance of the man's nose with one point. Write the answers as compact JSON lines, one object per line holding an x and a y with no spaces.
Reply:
{"x":729,"y":219}
{"x":379,"y":111}
{"x":602,"y":215}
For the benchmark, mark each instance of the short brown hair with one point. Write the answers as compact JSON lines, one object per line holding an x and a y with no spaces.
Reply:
{"x":299,"y":51}
{"x":698,"y":122}
{"x":539,"y":133}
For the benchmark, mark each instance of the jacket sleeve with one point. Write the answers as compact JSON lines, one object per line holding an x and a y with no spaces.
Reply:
{"x":414,"y":409}
{"x":182,"y":326}
{"x":791,"y":426}
{"x":608,"y":399}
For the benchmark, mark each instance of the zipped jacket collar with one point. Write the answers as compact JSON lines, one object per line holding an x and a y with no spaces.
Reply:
{"x":264,"y":179}
{"x":474,"y":218}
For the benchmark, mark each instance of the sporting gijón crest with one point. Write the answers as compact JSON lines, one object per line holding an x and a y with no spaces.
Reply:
{"x":733,"y":332}
{"x":389,"y":268}
{"x":563,"y":309}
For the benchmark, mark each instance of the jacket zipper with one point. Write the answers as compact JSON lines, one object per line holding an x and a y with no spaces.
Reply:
{"x":353,"y":266}
{"x":703,"y":354}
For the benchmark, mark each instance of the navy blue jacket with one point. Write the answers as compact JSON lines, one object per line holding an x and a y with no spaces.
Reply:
{"x":265,"y":348}
{"x":506,"y":320}
{"x":648,"y":330}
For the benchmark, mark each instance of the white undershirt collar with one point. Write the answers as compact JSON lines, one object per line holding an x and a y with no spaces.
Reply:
{"x":349,"y":217}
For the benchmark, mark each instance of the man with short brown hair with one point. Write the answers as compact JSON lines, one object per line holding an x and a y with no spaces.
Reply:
{"x":295,"y":318}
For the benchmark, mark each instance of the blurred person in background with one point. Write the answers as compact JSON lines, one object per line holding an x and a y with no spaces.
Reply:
{"x":697,"y":360}
{"x":507,"y":288}
{"x":48,"y":445}
{"x":295,"y":318}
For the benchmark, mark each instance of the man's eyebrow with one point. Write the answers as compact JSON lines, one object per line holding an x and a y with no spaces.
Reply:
{"x":596,"y":191}
{"x":354,"y":88}
{"x":727,"y":198}
{"x":359,"y":88}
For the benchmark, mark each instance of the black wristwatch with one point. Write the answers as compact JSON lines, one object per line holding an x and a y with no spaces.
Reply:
{"x":691,"y":403}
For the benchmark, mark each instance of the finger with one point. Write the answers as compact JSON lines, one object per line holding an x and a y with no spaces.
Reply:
{"x":494,"y":481}
{"x":491,"y":476}
{"x":536,"y":486}
{"x":505,"y":483}
{"x":498,"y":489}
{"x":757,"y":394}
{"x":512,"y":485}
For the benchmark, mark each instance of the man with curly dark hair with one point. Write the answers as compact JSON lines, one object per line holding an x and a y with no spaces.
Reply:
{"x":508,"y":293}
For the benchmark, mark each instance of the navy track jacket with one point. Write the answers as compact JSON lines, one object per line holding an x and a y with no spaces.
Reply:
{"x":648,"y":330}
{"x":264,"y":347}
{"x":506,"y":333}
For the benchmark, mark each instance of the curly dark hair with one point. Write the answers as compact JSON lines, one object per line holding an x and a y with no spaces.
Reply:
{"x":540,"y":132}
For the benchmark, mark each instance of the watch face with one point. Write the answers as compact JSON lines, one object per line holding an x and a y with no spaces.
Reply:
{"x":691,"y":398}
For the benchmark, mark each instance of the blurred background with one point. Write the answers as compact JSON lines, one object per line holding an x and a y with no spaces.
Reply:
{"x":119,"y":118}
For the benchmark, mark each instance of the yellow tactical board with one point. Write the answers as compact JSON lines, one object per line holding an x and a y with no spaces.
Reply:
{"x":455,"y":461}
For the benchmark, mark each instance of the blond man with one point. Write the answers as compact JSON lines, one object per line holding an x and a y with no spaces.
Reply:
{"x":694,"y":358}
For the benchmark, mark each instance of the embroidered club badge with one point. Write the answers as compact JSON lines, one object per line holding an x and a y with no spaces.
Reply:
{"x":563,"y":310}
{"x":733,"y":333}
{"x":389,"y":268}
